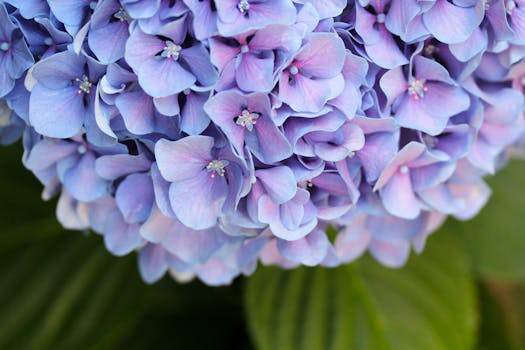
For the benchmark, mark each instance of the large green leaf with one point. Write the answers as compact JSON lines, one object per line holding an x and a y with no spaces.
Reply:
{"x":495,"y":239}
{"x":428,"y":305}
{"x":503,"y":316}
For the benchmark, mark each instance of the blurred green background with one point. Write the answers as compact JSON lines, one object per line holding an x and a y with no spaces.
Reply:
{"x":62,"y":290}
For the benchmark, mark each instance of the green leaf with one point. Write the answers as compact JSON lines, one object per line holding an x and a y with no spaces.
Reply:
{"x":495,"y":238}
{"x":503,"y":316}
{"x":428,"y":305}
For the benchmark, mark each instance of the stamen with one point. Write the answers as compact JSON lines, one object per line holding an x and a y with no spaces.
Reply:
{"x":122,"y":15}
{"x":247,"y":119}
{"x":217,"y":167}
{"x":417,"y":88}
{"x":243,"y":6}
{"x":171,"y":50}
{"x":244,"y":48}
{"x":84,"y":85}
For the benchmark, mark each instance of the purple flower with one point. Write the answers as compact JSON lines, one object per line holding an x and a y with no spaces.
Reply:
{"x":426,"y":99}
{"x":156,"y":61}
{"x":217,"y":179}
{"x":314,"y":74}
{"x":247,"y":119}
{"x":63,"y":95}
{"x":253,"y":58}
{"x":411,"y":170}
{"x":109,"y":31}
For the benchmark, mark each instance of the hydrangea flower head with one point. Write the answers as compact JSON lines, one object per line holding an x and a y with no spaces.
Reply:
{"x":211,"y":136}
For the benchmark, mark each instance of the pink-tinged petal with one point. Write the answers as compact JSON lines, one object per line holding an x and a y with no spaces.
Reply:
{"x":431,"y":175}
{"x":279,"y":182}
{"x":323,"y":55}
{"x":156,"y":227}
{"x":431,"y":70}
{"x":309,"y":95}
{"x":221,"y":54}
{"x":276,"y":37}
{"x":385,"y":53}
{"x":200,"y":208}
{"x":394,"y":84}
{"x":254,"y":73}
{"x":309,"y":250}
{"x":398,"y":197}
{"x":184,"y":158}
{"x":161,"y":77}
{"x":137,"y":112}
{"x":410,"y":152}
{"x":391,"y":254}
{"x":328,"y":8}
{"x":475,"y":195}
{"x":141,"y":47}
{"x":353,"y":240}
{"x":168,"y":106}
{"x":452,"y":24}
{"x":366,"y":26}
{"x":56,"y":113}
{"x":517,"y":23}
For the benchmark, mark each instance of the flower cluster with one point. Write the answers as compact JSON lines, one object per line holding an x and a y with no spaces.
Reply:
{"x":210,"y":135}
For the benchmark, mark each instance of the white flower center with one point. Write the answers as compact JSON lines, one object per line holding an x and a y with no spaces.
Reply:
{"x":403,"y":169}
{"x":171,"y":50}
{"x":243,"y":6}
{"x":417,"y":88}
{"x":247,"y":119}
{"x":217,"y":167}
{"x":84,"y":85}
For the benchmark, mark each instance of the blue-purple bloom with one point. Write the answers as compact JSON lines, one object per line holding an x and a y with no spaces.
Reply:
{"x":211,"y":136}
